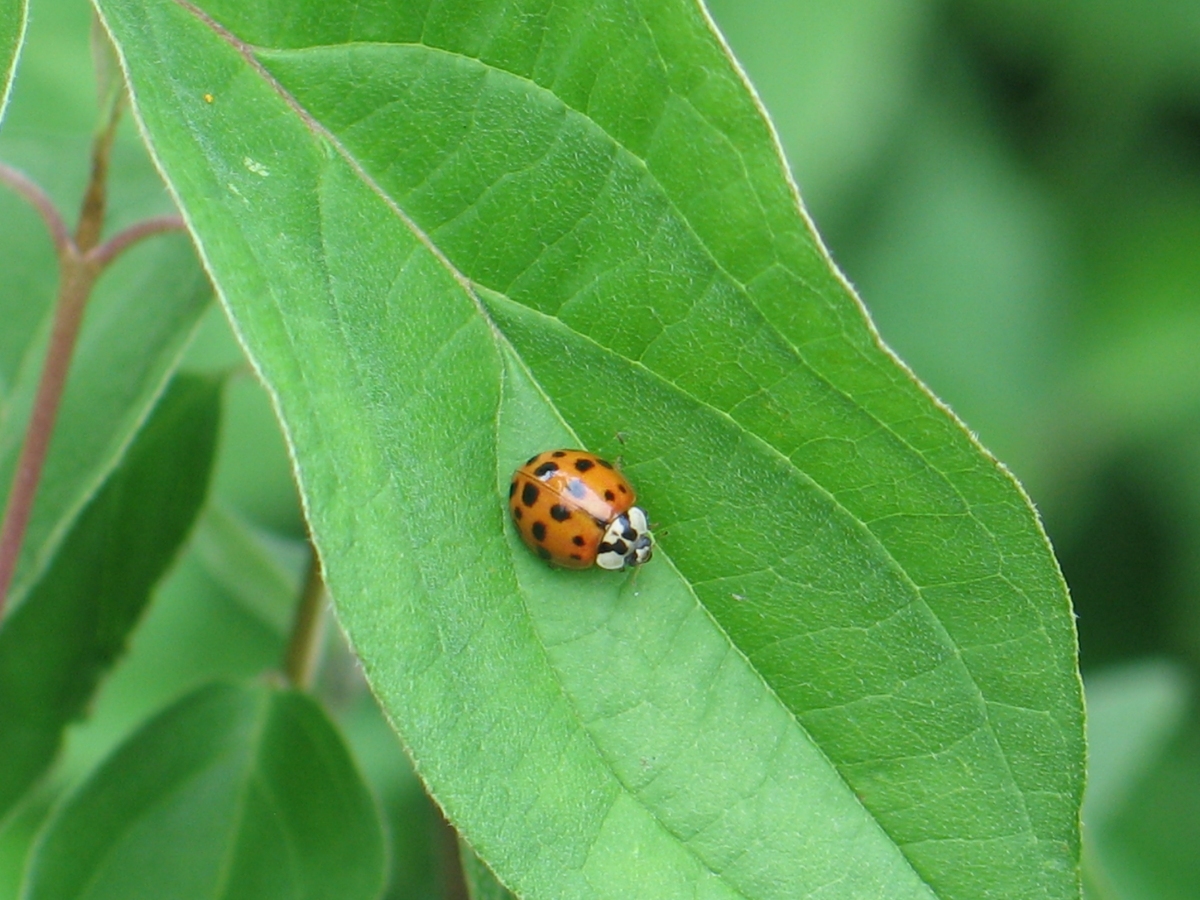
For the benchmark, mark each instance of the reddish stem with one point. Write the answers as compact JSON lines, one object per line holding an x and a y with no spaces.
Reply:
{"x":39,"y":200}
{"x":77,"y":280}
{"x":81,"y":260}
{"x":105,"y":253}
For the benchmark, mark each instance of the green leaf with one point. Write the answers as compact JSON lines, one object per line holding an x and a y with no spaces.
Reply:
{"x":1148,"y":849}
{"x":239,"y":559}
{"x":231,"y":792}
{"x":1133,"y":710}
{"x":18,"y":830}
{"x":1143,"y":783}
{"x":61,"y":641}
{"x":481,"y":883}
{"x":450,"y":238}
{"x":13,"y":18}
{"x":198,"y":629}
{"x":416,"y":832}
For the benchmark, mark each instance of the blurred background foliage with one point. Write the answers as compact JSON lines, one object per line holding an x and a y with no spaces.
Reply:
{"x":1013,"y":187}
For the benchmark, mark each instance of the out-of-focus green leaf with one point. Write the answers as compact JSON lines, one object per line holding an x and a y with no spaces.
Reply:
{"x":217,"y":616}
{"x":1121,"y":480}
{"x":1133,"y":710}
{"x":1134,"y":375}
{"x":54,"y":102}
{"x":1149,"y":847}
{"x":453,"y":237}
{"x":195,"y":631}
{"x":481,"y":883}
{"x":62,"y":640}
{"x":18,"y":830}
{"x":110,"y":80}
{"x":254,"y":471}
{"x":13,"y":15}
{"x":1143,"y":784}
{"x":253,"y":478}
{"x":239,"y":559}
{"x":412,"y":823}
{"x":1112,"y":42}
{"x":961,"y":285}
{"x":231,"y":792}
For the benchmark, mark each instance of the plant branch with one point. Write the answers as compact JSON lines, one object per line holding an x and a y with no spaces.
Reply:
{"x":79,"y":272}
{"x":77,"y":281}
{"x":91,"y":213}
{"x":102,"y":255}
{"x":300,"y":659}
{"x":39,"y":200}
{"x":82,"y":258}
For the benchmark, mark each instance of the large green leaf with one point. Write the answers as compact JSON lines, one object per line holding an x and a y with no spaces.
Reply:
{"x":231,"y":792}
{"x":450,"y":238}
{"x":13,"y":14}
{"x":75,"y":622}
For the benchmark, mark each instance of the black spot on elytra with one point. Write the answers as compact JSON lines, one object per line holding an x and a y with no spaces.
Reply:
{"x":512,"y":489}
{"x":576,"y":488}
{"x":532,"y":459}
{"x":539,"y":530}
{"x":577,"y":540}
{"x":517,"y":512}
{"x":582,"y":465}
{"x":604,"y":462}
{"x":543,"y":471}
{"x":577,"y":556}
{"x":559,"y":513}
{"x":529,"y":494}
{"x":559,"y":454}
{"x":543,"y":552}
{"x":610,"y":496}
{"x":621,"y":488}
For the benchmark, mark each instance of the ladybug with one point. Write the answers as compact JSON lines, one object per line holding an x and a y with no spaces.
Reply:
{"x":575,"y":510}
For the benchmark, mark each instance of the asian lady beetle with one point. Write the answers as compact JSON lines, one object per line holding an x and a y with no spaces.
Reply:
{"x":575,"y":510}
